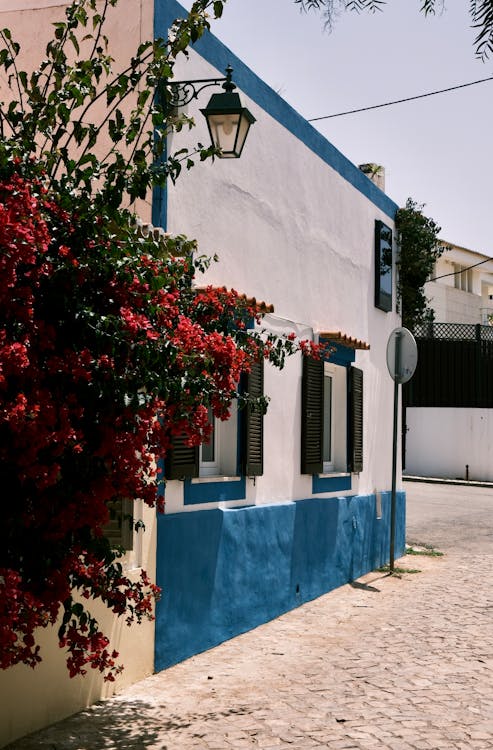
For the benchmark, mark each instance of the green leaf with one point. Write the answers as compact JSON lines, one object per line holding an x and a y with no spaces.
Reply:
{"x":143,"y":97}
{"x":77,"y":609}
{"x":23,"y":79}
{"x":74,"y":41}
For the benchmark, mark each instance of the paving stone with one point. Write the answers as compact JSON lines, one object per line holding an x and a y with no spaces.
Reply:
{"x":409,"y":667}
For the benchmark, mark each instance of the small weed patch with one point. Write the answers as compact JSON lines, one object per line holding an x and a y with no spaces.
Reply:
{"x":424,"y":551}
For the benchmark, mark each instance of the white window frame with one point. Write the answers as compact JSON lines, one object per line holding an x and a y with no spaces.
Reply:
{"x":328,"y":431}
{"x":338,"y":419}
{"x":225,"y":436}
{"x":210,"y":468}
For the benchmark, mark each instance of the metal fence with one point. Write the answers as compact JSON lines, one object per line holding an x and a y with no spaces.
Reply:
{"x":454,"y":331}
{"x":455,"y":367}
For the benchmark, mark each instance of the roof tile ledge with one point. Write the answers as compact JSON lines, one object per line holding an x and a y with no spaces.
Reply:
{"x":337,"y":337}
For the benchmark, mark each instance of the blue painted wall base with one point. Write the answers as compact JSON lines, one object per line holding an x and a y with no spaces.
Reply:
{"x":224,"y":572}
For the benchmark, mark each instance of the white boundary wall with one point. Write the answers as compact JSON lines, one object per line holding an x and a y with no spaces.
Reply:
{"x":440,"y":442}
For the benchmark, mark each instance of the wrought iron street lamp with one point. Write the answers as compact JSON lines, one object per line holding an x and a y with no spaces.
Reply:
{"x":227,"y":119}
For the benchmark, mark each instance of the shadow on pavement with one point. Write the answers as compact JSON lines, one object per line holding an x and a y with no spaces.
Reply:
{"x":118,"y":725}
{"x":364,"y":586}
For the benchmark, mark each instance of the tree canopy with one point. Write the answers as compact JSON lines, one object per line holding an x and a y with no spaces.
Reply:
{"x":420,"y":248}
{"x":480,"y":11}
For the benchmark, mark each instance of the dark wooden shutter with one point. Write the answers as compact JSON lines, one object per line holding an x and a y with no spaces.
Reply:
{"x":182,"y":460}
{"x":253,"y":424}
{"x":312,"y":416}
{"x":355,"y":420}
{"x":119,"y":529}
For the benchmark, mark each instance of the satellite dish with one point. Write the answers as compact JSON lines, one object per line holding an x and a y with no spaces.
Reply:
{"x":402,"y":355}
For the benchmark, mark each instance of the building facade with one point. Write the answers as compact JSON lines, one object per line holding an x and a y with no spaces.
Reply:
{"x":461,"y":289}
{"x":294,"y":223}
{"x":255,"y":527}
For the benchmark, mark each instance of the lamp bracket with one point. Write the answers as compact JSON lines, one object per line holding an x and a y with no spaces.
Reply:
{"x":182,"y":92}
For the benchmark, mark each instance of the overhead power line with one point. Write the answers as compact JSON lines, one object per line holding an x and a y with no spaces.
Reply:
{"x":457,"y":273}
{"x":400,"y":101}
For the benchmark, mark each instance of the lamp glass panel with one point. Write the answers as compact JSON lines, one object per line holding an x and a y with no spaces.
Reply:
{"x":243,"y":129}
{"x":229,"y":132}
{"x":223,"y":130}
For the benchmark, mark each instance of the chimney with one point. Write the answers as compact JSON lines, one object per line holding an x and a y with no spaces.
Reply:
{"x":376,"y":173}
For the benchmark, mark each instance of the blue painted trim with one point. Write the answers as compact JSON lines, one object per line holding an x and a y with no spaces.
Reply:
{"x":340,"y":355}
{"x":226,"y":571}
{"x":218,"y":55}
{"x":197,"y":493}
{"x":330,"y":484}
{"x":160,"y":207}
{"x":160,"y":481}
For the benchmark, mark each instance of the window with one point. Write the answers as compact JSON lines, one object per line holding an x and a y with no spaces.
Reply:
{"x":383,"y":266}
{"x":334,"y":432}
{"x":209,"y":450}
{"x":328,"y":427}
{"x":332,"y":418}
{"x":463,"y":277}
{"x":119,"y":529}
{"x":235,"y":446}
{"x":219,"y":456}
{"x":216,"y":458}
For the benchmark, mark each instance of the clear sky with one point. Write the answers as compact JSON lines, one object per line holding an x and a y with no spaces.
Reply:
{"x":439,"y":150}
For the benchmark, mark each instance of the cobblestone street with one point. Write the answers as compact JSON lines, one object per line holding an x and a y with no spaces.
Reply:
{"x":394,"y":663}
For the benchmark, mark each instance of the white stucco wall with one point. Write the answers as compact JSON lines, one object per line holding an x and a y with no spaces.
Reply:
{"x":441,"y":442}
{"x":454,"y":305}
{"x":290,"y":230}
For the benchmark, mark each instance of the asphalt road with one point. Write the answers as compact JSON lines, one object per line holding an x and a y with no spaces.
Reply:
{"x":450,"y":517}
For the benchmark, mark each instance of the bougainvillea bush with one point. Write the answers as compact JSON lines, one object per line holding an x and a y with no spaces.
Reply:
{"x":107,"y":347}
{"x":106,"y":351}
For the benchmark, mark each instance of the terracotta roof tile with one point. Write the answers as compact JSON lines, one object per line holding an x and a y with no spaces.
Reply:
{"x":337,"y":337}
{"x":260,"y":305}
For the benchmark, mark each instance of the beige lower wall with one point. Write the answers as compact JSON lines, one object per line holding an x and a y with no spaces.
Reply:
{"x":34,"y":698}
{"x":31,"y":699}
